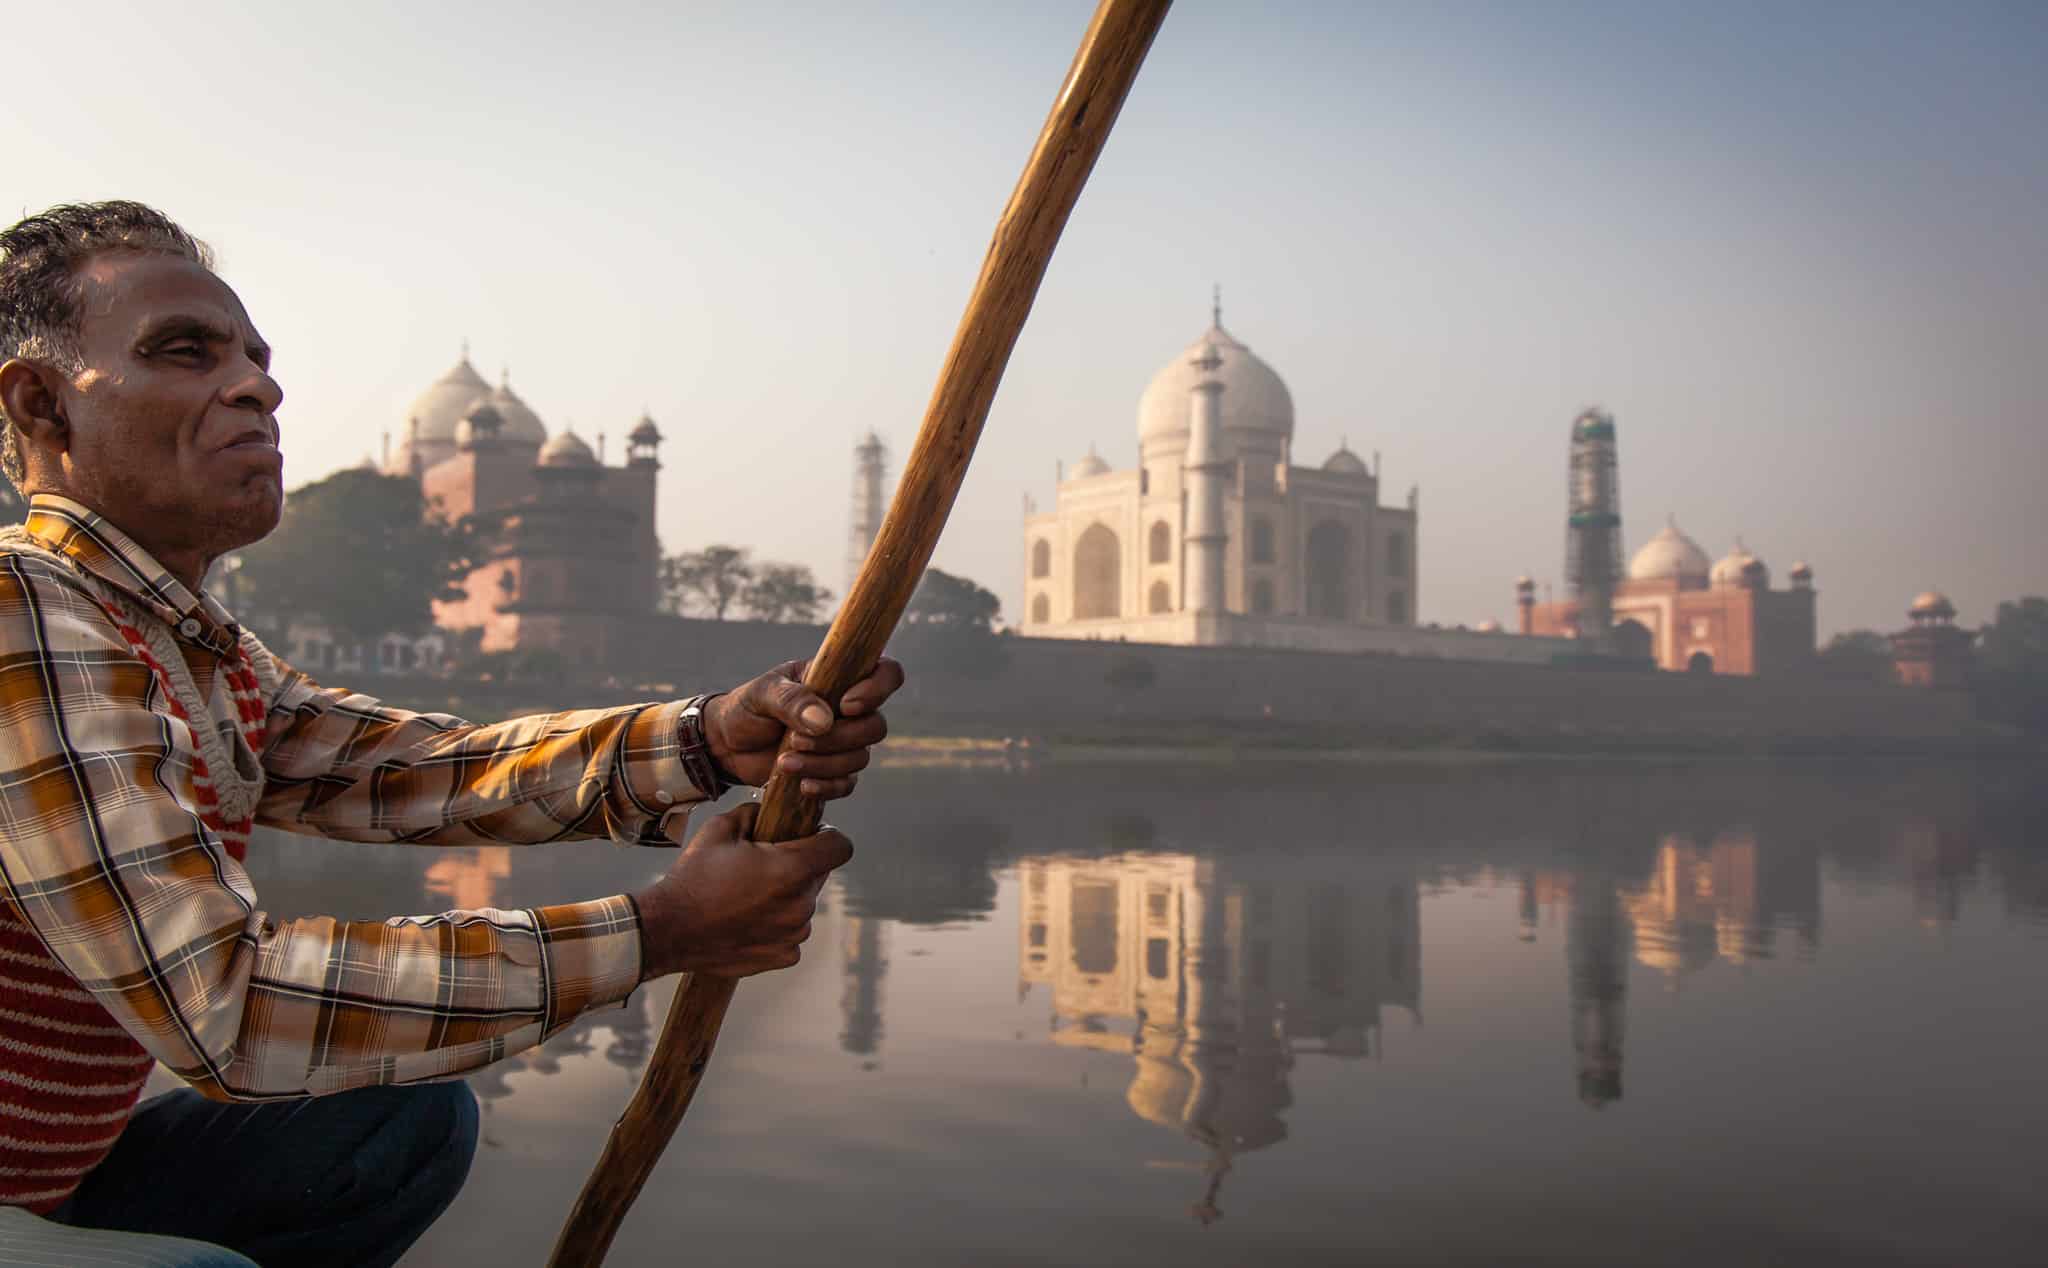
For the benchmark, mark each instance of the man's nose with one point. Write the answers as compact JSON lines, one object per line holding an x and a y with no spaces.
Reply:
{"x":257,"y":391}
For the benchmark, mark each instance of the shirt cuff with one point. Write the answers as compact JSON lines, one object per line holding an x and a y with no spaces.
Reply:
{"x":651,"y":773}
{"x":590,"y":956}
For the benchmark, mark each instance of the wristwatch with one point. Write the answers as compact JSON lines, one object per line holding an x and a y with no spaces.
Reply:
{"x":698,"y":763}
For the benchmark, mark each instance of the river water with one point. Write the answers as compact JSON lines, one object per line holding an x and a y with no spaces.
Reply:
{"x":1414,"y":1013}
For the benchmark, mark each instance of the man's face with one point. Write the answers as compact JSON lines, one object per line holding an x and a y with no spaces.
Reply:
{"x":171,"y":428}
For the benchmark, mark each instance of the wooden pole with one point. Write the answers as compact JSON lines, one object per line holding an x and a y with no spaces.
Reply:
{"x":1097,"y":83}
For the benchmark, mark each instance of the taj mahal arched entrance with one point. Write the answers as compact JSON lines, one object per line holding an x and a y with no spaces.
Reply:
{"x":1098,"y":574}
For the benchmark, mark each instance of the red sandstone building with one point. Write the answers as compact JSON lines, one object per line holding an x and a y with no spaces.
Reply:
{"x":570,"y":558}
{"x":1686,"y":614}
{"x":1932,"y":651}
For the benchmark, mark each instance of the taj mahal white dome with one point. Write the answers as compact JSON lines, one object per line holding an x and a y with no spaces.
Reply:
{"x":1255,"y":405}
{"x":1669,"y":556}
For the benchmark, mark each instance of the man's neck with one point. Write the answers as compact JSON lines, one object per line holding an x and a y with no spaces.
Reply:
{"x":188,"y":564}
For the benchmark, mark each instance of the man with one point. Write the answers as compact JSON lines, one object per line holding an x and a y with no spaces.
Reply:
{"x":143,"y":735}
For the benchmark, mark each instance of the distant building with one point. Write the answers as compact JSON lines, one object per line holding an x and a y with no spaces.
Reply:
{"x":569,"y":559}
{"x":1676,"y":608}
{"x":1217,"y":537}
{"x":1932,"y":651}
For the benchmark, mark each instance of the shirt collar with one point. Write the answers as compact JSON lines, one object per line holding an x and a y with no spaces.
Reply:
{"x":91,"y":540}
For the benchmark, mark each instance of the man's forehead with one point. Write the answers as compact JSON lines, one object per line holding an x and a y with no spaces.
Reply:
{"x":129,"y":289}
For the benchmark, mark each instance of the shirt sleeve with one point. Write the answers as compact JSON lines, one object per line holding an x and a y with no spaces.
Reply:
{"x":341,"y":764}
{"x":103,"y":852}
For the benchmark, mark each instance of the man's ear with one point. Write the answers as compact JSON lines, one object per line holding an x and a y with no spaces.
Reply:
{"x":30,"y":405}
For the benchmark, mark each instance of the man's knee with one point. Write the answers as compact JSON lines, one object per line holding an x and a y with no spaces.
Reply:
{"x":451,"y":1109}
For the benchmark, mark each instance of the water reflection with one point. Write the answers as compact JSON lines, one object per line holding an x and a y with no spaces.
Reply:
{"x":1214,"y":980}
{"x":1208,"y":985}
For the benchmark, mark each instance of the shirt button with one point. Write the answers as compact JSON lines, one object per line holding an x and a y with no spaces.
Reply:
{"x":189,"y":628}
{"x":665,"y":797}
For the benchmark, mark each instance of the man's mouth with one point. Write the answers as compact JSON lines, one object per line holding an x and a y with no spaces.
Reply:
{"x":251,"y":440}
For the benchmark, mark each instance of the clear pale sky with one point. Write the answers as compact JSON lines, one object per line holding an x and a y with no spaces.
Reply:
{"x":1798,"y":249}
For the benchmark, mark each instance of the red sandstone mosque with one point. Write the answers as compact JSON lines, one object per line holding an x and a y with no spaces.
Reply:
{"x":1685,"y":612}
{"x":570,"y":556}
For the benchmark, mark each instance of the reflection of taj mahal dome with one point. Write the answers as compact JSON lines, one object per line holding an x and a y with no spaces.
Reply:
{"x":1216,"y":536}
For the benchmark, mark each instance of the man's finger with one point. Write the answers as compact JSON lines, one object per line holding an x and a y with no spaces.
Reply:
{"x":736,"y":824}
{"x":823,"y":765}
{"x":828,"y":789}
{"x":788,"y":701}
{"x":865,"y":731}
{"x":868,"y":694}
{"x":808,"y":858}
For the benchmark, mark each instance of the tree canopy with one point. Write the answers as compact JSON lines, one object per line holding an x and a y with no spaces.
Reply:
{"x":707,"y":580}
{"x":784,"y":592}
{"x":360,"y":552}
{"x":946,"y":600}
{"x":2016,"y":640}
{"x":1863,"y":655}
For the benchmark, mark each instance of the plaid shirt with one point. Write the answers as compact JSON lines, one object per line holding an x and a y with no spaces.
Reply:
{"x":103,"y":852}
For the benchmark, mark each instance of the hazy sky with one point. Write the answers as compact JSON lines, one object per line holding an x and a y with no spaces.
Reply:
{"x":1799,"y":249}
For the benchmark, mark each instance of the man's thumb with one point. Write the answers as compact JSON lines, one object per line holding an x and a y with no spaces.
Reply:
{"x":736,"y":824}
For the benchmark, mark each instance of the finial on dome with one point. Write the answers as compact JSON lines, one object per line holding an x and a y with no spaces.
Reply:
{"x":465,"y":349}
{"x":1216,"y":306}
{"x":505,"y":376}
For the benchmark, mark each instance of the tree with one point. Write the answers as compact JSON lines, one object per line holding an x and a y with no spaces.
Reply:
{"x":784,"y":592}
{"x":709,"y":579}
{"x":1859,"y":655}
{"x":947,"y":627}
{"x":2016,"y":641}
{"x":943,"y":599}
{"x":360,"y":552}
{"x":2011,"y":679}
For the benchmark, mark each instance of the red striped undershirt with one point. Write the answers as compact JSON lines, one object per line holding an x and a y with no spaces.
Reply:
{"x":69,"y":1074}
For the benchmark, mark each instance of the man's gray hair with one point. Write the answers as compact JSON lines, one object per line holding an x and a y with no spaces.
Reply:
{"x":40,"y":259}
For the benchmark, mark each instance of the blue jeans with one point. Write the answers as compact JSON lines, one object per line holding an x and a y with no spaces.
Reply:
{"x":350,"y":1179}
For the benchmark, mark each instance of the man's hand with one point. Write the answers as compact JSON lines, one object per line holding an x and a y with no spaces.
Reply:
{"x":745,"y":726}
{"x":733,"y":907}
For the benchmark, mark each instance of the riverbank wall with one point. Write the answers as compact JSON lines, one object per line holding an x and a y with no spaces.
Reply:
{"x":1061,"y":691}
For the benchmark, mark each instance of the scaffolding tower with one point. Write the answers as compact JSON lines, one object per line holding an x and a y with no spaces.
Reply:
{"x":870,"y":467}
{"x":1593,"y":533}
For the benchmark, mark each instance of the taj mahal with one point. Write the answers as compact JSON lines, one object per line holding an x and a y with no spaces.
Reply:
{"x":1217,"y":537}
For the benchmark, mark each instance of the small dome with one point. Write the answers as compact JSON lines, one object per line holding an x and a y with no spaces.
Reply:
{"x":1932,"y":603}
{"x":645,"y":432}
{"x":1255,"y":403}
{"x":1802,"y":571}
{"x":1344,"y":462}
{"x":1525,"y":582}
{"x":566,"y":449}
{"x":1488,"y":627}
{"x":1669,"y":556}
{"x":521,"y":425}
{"x":484,"y":417}
{"x":1739,"y":567}
{"x":1091,"y":465}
